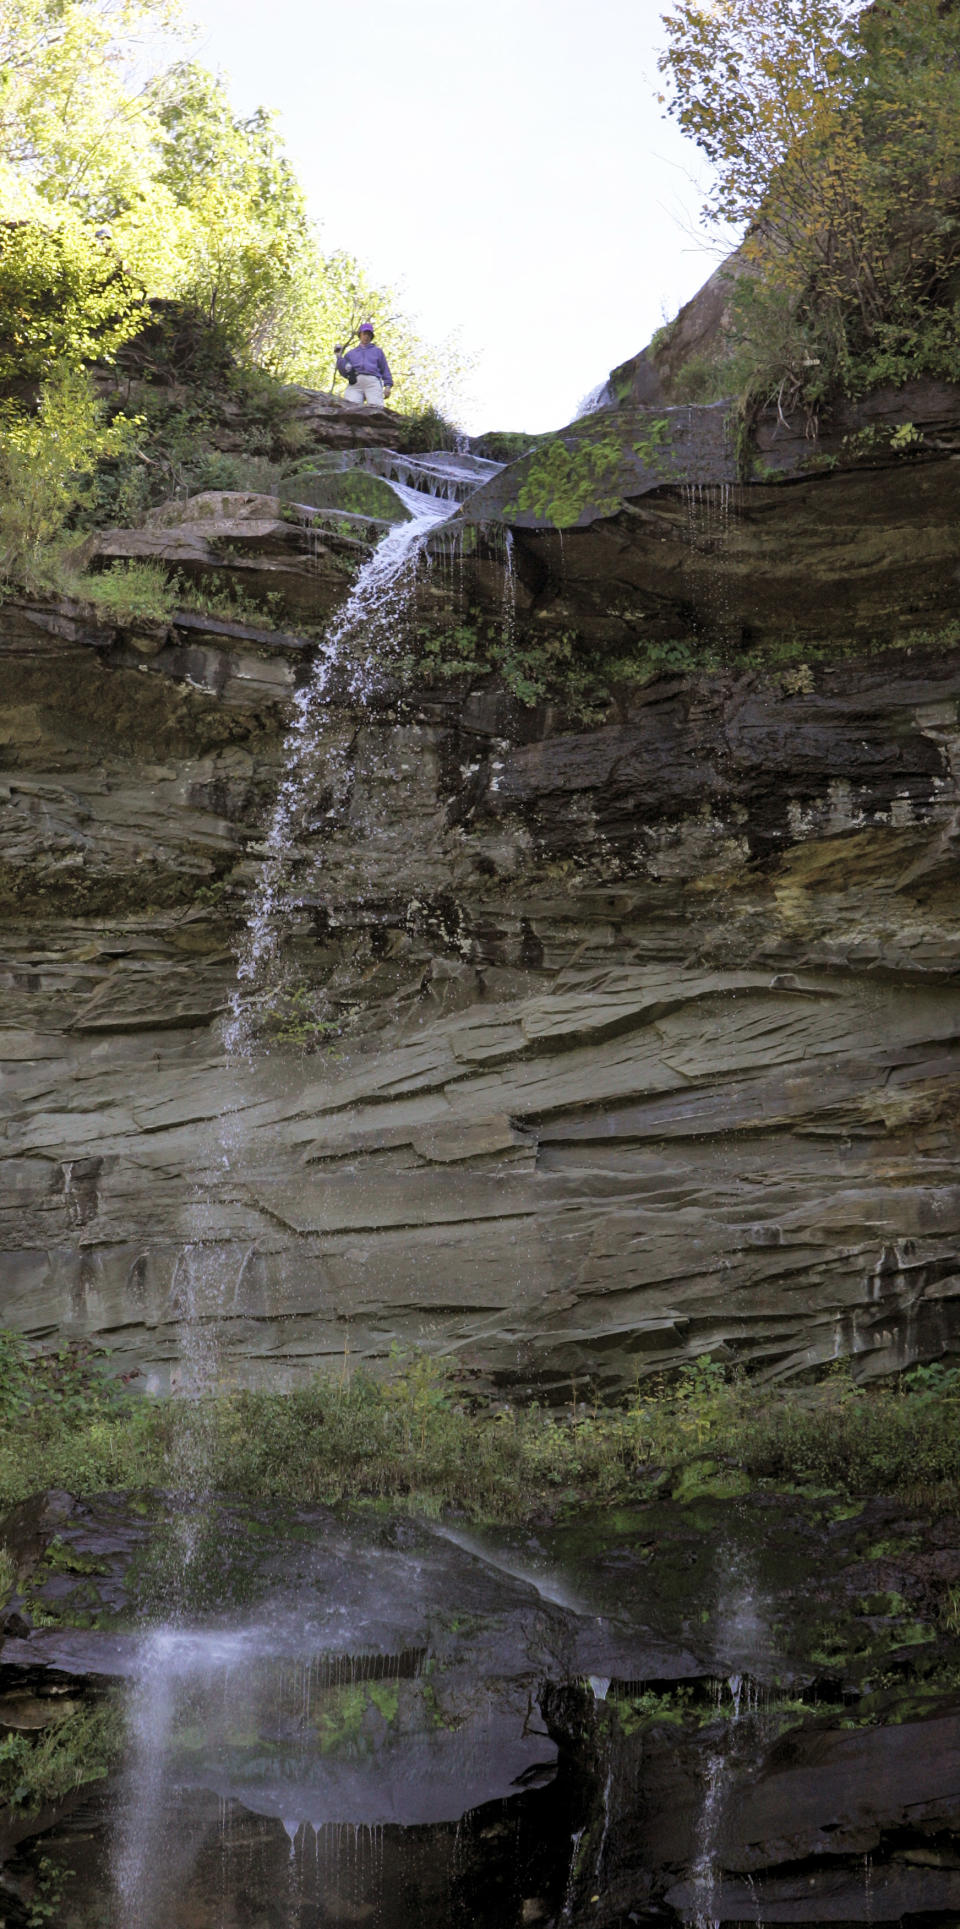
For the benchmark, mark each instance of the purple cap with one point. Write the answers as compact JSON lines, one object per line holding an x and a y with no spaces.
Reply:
{"x":364,"y":326}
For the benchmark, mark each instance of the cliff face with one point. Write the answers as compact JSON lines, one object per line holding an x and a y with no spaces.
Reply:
{"x":646,"y":1031}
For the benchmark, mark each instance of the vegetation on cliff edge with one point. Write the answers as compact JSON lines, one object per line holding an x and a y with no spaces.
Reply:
{"x":130,"y":196}
{"x":833,"y":129}
{"x":424,"y":1436}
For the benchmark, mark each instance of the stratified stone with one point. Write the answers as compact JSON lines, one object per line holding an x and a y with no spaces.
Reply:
{"x":647,"y":1040}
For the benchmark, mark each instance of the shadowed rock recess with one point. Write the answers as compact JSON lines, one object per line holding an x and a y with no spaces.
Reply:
{"x":646,"y":1027}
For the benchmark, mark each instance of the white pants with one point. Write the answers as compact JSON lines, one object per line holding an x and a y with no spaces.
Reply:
{"x":365,"y":388}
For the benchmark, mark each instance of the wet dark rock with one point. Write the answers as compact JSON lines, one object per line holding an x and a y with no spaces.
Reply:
{"x":663,"y":533}
{"x":499,"y":1669}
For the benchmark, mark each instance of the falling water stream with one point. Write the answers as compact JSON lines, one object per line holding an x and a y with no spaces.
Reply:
{"x":711,"y":512}
{"x":214,"y":1681}
{"x":742,"y":1638}
{"x":349,"y":649}
{"x":353,"y":1730}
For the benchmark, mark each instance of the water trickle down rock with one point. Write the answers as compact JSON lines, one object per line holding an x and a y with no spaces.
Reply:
{"x":571,"y":966}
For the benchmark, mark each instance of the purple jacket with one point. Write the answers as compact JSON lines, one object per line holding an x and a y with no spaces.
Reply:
{"x":366,"y":361}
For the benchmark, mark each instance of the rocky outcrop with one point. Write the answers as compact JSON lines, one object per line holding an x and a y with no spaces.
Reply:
{"x":694,"y":336}
{"x":592,"y":1047}
{"x":298,"y":560}
{"x":636,"y":525}
{"x":648,"y":1032}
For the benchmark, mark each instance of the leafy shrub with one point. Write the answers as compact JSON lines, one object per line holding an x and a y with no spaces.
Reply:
{"x":80,"y":1747}
{"x":422,"y":1435}
{"x":295,"y":1016}
{"x":558,"y":667}
{"x":47,"y":456}
{"x":67,"y":1421}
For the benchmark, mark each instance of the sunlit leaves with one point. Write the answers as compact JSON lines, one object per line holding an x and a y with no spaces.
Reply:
{"x":63,"y":299}
{"x":46,"y":456}
{"x":73,"y":120}
{"x":157,"y":189}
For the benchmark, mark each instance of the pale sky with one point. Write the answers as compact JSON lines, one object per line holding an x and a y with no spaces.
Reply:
{"x":504,"y":161}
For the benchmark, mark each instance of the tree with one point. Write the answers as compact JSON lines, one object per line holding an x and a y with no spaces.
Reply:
{"x":753,"y":81}
{"x":834,"y":130}
{"x":47,"y":456}
{"x":247,"y":227}
{"x":63,"y":302}
{"x":143,"y":189}
{"x":75,"y":127}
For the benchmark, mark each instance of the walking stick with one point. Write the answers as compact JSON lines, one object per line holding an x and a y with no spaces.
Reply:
{"x":342,"y":351}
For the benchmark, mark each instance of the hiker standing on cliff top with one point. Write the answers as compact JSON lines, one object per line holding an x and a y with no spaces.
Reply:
{"x":366,"y":369}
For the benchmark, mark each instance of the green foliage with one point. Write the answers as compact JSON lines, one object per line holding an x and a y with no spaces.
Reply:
{"x":49,"y":1883}
{"x":186,"y":383}
{"x":294,"y":1016}
{"x":145,"y":591}
{"x":651,"y":445}
{"x":907,"y":438}
{"x":80,"y":1747}
{"x":750,"y":79}
{"x":243,"y":211}
{"x":118,"y":190}
{"x":634,"y":1713}
{"x":66,"y":1421}
{"x":423,"y":1435}
{"x":533,"y":667}
{"x":568,"y":475}
{"x":47,"y":456}
{"x":129,"y":590}
{"x":834,"y":130}
{"x":701,"y":379}
{"x":426,"y":427}
{"x":661,"y":339}
{"x":560,"y":667}
{"x":234,"y":605}
{"x":62,"y":301}
{"x":70,"y":1382}
{"x":8,"y":1574}
{"x":928,"y":1385}
{"x":506,"y":445}
{"x":73,"y":124}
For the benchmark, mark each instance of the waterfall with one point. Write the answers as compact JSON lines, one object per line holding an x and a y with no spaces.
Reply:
{"x":357,"y":635}
{"x":431,"y":488}
{"x":176,"y":1663}
{"x":710,"y":514}
{"x":350,"y":644}
{"x":741,"y":1640}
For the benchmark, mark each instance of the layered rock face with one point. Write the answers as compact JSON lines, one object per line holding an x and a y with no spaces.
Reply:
{"x":645,"y":1032}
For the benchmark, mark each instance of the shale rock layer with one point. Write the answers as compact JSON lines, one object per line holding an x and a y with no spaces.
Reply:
{"x":647,"y":1034}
